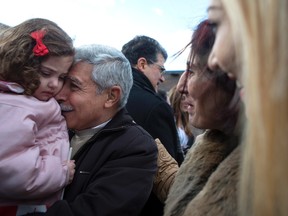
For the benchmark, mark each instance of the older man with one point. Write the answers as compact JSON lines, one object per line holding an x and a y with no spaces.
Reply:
{"x":116,"y":159}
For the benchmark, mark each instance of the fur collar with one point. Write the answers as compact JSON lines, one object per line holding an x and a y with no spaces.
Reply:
{"x":206,"y":183}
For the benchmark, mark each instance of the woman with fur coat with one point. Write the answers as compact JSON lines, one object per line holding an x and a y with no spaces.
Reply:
{"x":207,"y":181}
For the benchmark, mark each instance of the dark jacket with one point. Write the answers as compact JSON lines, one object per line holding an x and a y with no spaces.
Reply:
{"x":155,"y":115}
{"x":114,"y":172}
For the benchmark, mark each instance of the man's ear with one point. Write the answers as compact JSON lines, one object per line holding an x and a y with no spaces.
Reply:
{"x":141,"y":64}
{"x":113,"y":96}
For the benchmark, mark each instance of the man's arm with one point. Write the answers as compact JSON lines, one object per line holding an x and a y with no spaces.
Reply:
{"x":121,"y":186}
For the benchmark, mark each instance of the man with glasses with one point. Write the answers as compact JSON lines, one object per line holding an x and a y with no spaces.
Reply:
{"x":148,"y":109}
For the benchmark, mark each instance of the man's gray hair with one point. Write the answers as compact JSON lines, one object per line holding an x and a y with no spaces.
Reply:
{"x":110,"y":68}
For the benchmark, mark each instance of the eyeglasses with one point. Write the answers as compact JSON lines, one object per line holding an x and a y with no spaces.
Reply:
{"x":161,"y":68}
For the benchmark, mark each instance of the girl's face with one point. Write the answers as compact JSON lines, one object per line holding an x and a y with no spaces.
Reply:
{"x":52,"y":73}
{"x":206,"y":100}
{"x":222,"y":55}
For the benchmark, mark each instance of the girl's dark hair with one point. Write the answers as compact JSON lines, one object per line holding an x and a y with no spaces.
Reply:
{"x":17,"y":60}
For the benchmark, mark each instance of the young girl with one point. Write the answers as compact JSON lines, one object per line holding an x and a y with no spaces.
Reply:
{"x":35,"y":57}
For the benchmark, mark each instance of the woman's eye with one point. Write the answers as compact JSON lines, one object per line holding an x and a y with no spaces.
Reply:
{"x":190,"y":73}
{"x":209,"y":73}
{"x":213,"y":26}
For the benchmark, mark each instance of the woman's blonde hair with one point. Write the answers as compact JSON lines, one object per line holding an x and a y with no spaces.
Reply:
{"x":264,"y":55}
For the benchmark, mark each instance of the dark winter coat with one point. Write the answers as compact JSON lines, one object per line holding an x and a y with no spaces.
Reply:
{"x":114,"y":172}
{"x":155,"y":115}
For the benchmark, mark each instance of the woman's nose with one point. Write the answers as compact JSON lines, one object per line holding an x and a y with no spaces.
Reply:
{"x":212,"y":62}
{"x":182,"y":82}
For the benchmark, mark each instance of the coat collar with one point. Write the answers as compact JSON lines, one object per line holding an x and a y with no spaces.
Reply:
{"x":141,"y":80}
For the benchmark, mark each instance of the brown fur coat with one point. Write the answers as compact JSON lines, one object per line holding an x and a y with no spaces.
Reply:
{"x":207,"y":181}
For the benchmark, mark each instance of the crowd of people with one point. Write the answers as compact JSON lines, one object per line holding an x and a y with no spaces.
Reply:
{"x":84,"y":130}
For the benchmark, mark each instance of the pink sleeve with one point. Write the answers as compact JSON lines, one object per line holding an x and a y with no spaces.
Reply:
{"x":28,"y":169}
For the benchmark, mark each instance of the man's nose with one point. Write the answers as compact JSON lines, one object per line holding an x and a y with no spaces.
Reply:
{"x":162,"y":78}
{"x":62,"y":94}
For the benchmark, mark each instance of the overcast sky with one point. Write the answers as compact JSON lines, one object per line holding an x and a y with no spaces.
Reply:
{"x":115,"y":22}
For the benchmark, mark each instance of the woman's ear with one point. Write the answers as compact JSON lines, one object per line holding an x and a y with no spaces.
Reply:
{"x":113,"y":96}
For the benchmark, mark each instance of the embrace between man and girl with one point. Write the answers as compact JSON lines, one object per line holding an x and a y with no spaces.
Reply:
{"x":118,"y":164}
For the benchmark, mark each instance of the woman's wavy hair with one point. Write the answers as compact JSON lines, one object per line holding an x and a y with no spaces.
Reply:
{"x":17,"y":60}
{"x":181,"y":117}
{"x":200,"y":47}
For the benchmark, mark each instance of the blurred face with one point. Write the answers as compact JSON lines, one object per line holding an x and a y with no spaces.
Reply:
{"x":206,"y":100}
{"x":52,"y":74}
{"x":81,"y":105}
{"x":184,"y":103}
{"x":222,"y":55}
{"x":154,"y":71}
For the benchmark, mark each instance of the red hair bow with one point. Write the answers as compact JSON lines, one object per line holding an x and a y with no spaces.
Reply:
{"x":40,"y":49}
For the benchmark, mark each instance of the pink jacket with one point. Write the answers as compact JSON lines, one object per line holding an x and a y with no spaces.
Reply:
{"x":34,"y":145}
